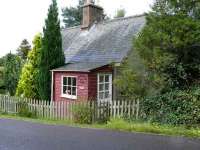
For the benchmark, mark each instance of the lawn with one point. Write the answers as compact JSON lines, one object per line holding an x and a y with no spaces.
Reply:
{"x":122,"y":125}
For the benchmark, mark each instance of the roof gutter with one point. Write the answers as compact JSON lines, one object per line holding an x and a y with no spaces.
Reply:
{"x":68,"y":71}
{"x":116,"y":64}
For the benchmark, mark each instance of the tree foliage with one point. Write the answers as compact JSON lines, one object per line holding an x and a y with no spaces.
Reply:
{"x":2,"y":60}
{"x":51,"y":52}
{"x":173,"y":7}
{"x":24,"y":49}
{"x":131,"y":80}
{"x":169,"y":44}
{"x":2,"y":84}
{"x":72,"y":16}
{"x":12,"y":69}
{"x":169,"y":49}
{"x":120,"y":13}
{"x":28,"y":84}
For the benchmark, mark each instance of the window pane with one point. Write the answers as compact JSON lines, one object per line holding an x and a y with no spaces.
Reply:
{"x":69,"y":91}
{"x":69,"y":81}
{"x":101,"y":95}
{"x":107,"y":86}
{"x":64,"y":81}
{"x":74,"y":81}
{"x":106,"y":78}
{"x":101,"y":87}
{"x":107,"y":94}
{"x":64,"y":89}
{"x":101,"y":78}
{"x":74,"y":91}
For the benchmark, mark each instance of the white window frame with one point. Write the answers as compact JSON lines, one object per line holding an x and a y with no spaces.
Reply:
{"x":110,"y":87}
{"x":74,"y":97}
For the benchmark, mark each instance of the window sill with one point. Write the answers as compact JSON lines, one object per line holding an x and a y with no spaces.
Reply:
{"x":69,"y":97}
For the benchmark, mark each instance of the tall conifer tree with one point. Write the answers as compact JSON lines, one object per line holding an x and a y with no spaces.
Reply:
{"x":24,"y":49}
{"x":51,"y":53}
{"x":12,"y":69}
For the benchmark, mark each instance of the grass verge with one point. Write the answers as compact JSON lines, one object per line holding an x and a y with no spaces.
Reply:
{"x":122,"y":125}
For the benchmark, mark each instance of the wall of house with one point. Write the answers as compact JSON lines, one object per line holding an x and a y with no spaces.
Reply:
{"x":86,"y":84}
{"x":92,"y":82}
{"x":82,"y":85}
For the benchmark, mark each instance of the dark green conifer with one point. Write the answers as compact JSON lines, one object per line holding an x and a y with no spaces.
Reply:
{"x":52,"y":55}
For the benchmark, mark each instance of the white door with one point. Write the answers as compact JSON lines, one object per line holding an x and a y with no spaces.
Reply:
{"x":104,"y":91}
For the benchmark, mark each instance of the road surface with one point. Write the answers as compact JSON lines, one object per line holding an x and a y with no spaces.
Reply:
{"x":20,"y":135}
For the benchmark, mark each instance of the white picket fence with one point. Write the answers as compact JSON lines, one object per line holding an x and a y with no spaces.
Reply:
{"x":64,"y":110}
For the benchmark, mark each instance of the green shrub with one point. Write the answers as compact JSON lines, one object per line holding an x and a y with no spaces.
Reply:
{"x":176,"y":107}
{"x":24,"y":110}
{"x":83,"y":114}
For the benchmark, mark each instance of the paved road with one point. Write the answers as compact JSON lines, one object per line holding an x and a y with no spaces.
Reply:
{"x":19,"y":135}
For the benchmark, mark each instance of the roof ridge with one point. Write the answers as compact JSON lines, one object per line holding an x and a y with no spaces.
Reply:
{"x":108,"y":21}
{"x":69,"y":28}
{"x":123,"y":18}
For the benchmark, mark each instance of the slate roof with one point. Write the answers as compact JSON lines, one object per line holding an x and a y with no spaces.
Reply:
{"x":104,"y":43}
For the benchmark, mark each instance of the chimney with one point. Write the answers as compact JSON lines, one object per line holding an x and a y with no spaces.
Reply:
{"x":91,"y":13}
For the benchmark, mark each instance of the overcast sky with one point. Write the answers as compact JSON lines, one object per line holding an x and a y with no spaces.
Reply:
{"x":22,"y":19}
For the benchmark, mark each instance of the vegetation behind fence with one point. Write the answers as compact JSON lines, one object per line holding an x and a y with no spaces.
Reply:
{"x":69,"y":110}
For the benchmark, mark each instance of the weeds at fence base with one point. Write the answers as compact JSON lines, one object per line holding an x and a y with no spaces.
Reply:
{"x":23,"y":110}
{"x":83,"y":114}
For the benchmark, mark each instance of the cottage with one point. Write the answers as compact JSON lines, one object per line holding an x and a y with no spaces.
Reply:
{"x":93,"y":52}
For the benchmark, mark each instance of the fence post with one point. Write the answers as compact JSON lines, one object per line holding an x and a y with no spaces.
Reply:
{"x":138,"y":108}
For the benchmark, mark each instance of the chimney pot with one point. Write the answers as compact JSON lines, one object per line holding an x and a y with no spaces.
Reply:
{"x":89,"y":1}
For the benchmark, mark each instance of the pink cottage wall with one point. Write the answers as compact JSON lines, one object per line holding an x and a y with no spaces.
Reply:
{"x":82,"y":85}
{"x":92,"y":80}
{"x":86,"y":83}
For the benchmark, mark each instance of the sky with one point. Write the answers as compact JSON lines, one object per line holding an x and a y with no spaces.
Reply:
{"x":22,"y":19}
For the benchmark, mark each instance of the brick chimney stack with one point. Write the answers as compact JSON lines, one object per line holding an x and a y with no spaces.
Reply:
{"x":91,"y":13}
